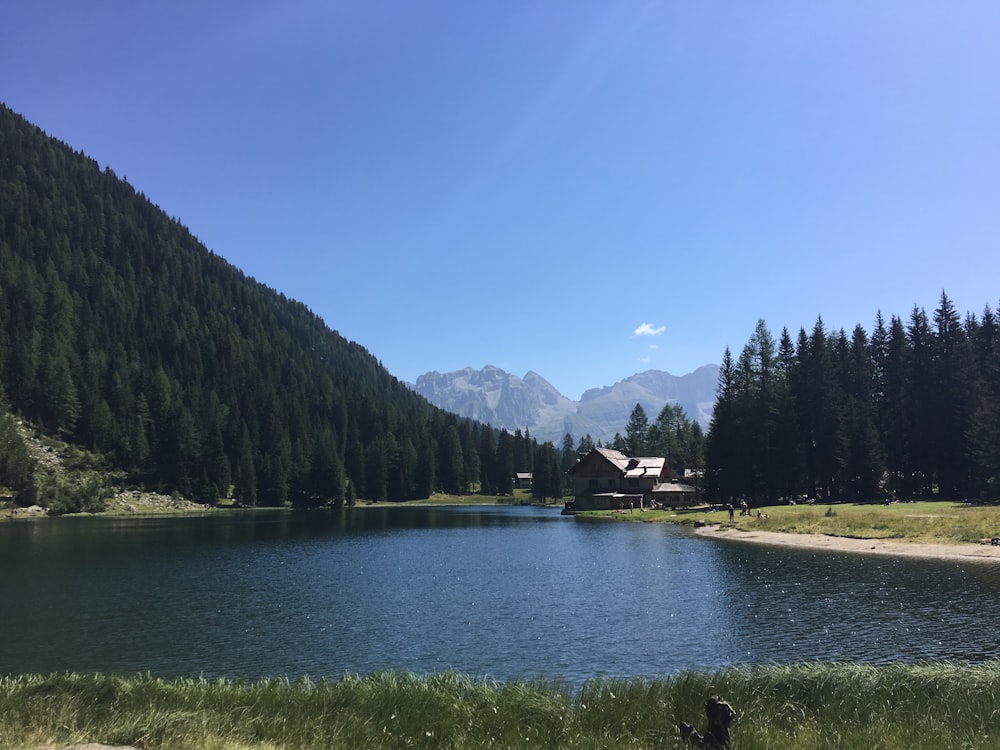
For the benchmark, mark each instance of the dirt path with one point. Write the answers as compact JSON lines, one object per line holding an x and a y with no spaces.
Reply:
{"x":967,"y":552}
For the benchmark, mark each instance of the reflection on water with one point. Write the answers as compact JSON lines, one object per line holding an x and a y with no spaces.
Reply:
{"x":501,"y":592}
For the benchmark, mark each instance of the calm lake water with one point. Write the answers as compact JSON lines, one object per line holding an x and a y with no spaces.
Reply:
{"x":492,"y":592}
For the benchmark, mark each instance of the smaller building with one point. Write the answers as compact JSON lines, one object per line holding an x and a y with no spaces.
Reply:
{"x":675,"y":495}
{"x":522,"y":480}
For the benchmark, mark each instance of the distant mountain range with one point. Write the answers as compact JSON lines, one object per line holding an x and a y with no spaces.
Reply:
{"x":493,"y":396}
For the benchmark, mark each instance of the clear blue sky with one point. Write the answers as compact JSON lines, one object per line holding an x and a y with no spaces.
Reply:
{"x":583,"y":189}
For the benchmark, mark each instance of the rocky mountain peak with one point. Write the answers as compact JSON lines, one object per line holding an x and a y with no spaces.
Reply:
{"x":491,"y":395}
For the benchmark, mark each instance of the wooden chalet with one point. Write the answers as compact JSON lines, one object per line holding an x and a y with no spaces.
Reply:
{"x":606,"y":479}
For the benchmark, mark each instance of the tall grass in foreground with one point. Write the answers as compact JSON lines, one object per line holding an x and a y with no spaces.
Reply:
{"x":780,"y":707}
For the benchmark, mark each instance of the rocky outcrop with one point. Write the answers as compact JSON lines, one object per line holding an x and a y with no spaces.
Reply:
{"x":495,"y":397}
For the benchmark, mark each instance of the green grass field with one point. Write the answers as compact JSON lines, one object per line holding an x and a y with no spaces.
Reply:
{"x":929,"y":521}
{"x":845,"y":706}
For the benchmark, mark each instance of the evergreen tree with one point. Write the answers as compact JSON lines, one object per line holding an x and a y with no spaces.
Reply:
{"x":864,"y":464}
{"x":637,"y":432}
{"x":569,"y":454}
{"x":487,"y":461}
{"x":922,"y":441}
{"x":955,"y":395}
{"x":504,"y":482}
{"x":376,"y":472}
{"x":426,"y":480}
{"x":983,"y":433}
{"x":451,"y":463}
{"x":893,"y":410}
{"x":787,"y":456}
{"x":721,"y":445}
{"x":245,"y":478}
{"x":547,"y":478}
{"x":470,"y":456}
{"x":17,"y":468}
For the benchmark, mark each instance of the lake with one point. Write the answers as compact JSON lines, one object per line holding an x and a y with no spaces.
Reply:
{"x":499,"y":592}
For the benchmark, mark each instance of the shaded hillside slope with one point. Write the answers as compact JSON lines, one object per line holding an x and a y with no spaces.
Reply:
{"x":121,"y":332}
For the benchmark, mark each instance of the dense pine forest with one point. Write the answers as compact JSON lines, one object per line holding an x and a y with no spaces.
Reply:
{"x":912,"y":410}
{"x":121,"y":333}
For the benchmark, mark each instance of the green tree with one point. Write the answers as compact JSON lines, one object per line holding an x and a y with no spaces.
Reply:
{"x":547,"y":478}
{"x":245,"y":478}
{"x":637,"y":432}
{"x":922,"y":441}
{"x":17,"y":468}
{"x":451,"y":462}
{"x":376,"y":472}
{"x":505,"y":463}
{"x":864,"y":464}
{"x":787,"y":455}
{"x":568,"y":456}
{"x":954,"y":398}
{"x":722,"y":443}
{"x":487,"y":461}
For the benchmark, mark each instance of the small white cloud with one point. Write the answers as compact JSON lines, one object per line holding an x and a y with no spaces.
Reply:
{"x":648,"y":329}
{"x":654,"y":346}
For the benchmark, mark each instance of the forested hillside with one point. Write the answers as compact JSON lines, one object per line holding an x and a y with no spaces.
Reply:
{"x":913,"y":410}
{"x":120,"y":332}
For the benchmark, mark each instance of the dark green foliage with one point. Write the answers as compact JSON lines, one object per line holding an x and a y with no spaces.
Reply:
{"x":568,"y":454}
{"x":451,"y":461}
{"x":504,"y":468}
{"x":547,"y":478}
{"x":88,"y":496}
{"x":676,"y":438}
{"x":637,"y":432}
{"x":121,"y":333}
{"x":17,"y":468}
{"x":912,"y":411}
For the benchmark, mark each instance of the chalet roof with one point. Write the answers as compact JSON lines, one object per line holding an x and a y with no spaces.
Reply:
{"x":647,"y":466}
{"x":629,"y":467}
{"x":616,"y":457}
{"x":674,"y":487}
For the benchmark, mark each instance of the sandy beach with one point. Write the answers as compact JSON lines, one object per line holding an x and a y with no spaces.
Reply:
{"x":966,"y":552}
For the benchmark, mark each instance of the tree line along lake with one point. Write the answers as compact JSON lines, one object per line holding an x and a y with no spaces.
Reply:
{"x":497,"y":592}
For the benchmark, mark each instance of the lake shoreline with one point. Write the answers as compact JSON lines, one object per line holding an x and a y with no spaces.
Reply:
{"x":893,"y":547}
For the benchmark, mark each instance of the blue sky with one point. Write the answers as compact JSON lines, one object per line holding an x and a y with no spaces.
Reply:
{"x":583,"y":189}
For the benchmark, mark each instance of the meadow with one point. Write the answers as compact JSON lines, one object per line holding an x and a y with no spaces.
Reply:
{"x":804,"y":706}
{"x":942,"y":522}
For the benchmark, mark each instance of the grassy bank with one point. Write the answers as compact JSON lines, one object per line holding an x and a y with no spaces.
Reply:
{"x":519,"y":497}
{"x":931,"y":521}
{"x":133,"y":502}
{"x":930,"y":706}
